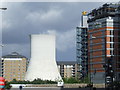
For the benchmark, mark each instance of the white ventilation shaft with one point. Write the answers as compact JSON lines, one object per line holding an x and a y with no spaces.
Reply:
{"x":42,"y":63}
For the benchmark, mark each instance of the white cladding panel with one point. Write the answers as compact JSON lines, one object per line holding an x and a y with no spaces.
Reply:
{"x":84,"y":21}
{"x":43,"y":64}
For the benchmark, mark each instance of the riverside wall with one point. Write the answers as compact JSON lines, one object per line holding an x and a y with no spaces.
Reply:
{"x":65,"y":85}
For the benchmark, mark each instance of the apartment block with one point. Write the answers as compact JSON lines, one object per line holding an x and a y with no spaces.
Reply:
{"x":104,"y":41}
{"x":68,"y":69}
{"x":14,"y":66}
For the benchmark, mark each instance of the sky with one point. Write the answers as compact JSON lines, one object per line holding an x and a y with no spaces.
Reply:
{"x":22,"y":19}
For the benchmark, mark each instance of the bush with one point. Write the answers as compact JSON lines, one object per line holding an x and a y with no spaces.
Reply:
{"x":71,"y":80}
{"x":115,"y":84}
{"x":36,"y":81}
{"x":7,"y":86}
{"x":85,"y":80}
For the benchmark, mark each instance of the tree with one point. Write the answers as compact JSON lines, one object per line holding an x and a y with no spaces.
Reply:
{"x":71,"y":80}
{"x":7,"y":85}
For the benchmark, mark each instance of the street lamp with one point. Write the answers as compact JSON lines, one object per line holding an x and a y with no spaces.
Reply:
{"x":1,"y":46}
{"x":3,"y":8}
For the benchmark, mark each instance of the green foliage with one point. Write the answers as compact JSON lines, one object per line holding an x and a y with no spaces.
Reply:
{"x":85,"y":80}
{"x":7,"y":86}
{"x":71,"y":80}
{"x":76,"y":80}
{"x":36,"y":81}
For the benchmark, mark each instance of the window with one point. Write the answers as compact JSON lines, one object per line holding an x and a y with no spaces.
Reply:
{"x":118,"y":66}
{"x":119,"y":75}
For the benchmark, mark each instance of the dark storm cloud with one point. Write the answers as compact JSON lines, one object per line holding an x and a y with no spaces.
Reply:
{"x":69,"y":18}
{"x":23,"y":19}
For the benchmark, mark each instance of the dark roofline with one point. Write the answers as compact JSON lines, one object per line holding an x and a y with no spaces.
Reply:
{"x":14,"y":55}
{"x":104,"y":11}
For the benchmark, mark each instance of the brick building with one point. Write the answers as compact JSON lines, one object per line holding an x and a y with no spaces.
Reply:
{"x":14,"y":66}
{"x":104,"y":41}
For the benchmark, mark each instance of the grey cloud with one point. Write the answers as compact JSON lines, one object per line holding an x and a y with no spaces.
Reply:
{"x":23,"y":19}
{"x":22,"y":49}
{"x":64,"y":41}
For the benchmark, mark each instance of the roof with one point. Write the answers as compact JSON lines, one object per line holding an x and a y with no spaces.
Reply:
{"x":104,"y":11}
{"x":14,"y":55}
{"x":66,"y":62}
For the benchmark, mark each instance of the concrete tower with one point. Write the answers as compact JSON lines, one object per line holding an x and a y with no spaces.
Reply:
{"x":43,"y":64}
